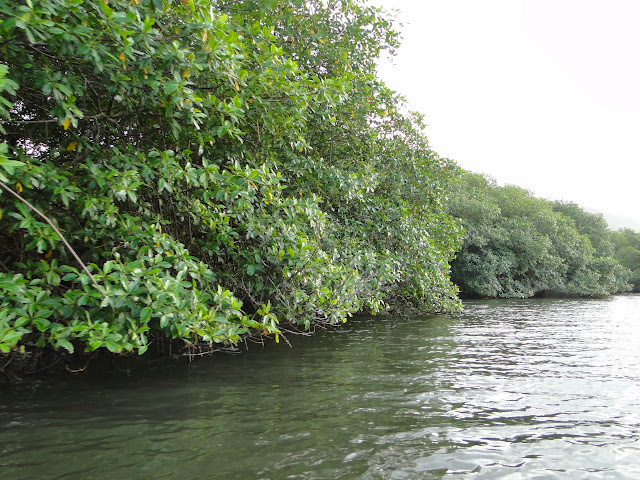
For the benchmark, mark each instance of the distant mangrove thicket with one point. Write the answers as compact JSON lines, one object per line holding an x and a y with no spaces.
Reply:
{"x":627,"y":252}
{"x":517,"y":245}
{"x":218,"y":169}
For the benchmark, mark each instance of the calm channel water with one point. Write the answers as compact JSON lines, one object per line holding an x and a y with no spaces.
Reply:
{"x":509,"y":389}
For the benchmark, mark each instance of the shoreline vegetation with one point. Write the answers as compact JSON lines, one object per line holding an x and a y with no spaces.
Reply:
{"x":180,"y":177}
{"x":520,"y":246}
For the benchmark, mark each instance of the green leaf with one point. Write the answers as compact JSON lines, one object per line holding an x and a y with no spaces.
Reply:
{"x":164,"y":321}
{"x":145,"y":314}
{"x":105,"y":8}
{"x":9,"y":165}
{"x":65,"y":344}
{"x":42,"y":324}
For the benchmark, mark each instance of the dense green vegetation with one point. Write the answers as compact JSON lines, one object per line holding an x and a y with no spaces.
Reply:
{"x":627,"y":252}
{"x":220,"y":170}
{"x":206,"y":172}
{"x":517,"y":245}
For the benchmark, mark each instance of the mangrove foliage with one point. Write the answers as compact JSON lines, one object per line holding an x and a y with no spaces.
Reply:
{"x":208,"y":171}
{"x":517,"y":245}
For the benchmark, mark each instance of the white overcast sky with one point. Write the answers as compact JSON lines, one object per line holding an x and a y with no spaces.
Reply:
{"x":543,"y":94}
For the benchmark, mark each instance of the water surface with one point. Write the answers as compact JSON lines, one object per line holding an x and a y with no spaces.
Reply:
{"x":508,"y":389}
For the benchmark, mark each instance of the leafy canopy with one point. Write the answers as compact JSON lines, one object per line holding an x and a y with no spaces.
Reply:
{"x":517,"y":245}
{"x":222,"y":169}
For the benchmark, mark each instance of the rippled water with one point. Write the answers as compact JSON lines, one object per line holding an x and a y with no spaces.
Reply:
{"x":509,"y":389}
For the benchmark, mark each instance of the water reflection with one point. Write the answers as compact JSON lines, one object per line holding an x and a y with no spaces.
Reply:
{"x":509,"y":389}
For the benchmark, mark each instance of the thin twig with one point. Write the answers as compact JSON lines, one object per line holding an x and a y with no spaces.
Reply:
{"x":44,"y":368}
{"x":76,"y":370}
{"x":49,"y":120}
{"x":11,"y":357}
{"x":20,"y":122}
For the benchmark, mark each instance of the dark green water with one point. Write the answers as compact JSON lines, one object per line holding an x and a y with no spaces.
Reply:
{"x":509,"y":389}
